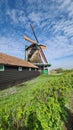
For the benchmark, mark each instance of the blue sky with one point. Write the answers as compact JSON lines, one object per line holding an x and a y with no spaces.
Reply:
{"x":53,"y":23}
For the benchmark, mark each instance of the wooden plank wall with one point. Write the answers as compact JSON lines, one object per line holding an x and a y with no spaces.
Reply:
{"x":12,"y":76}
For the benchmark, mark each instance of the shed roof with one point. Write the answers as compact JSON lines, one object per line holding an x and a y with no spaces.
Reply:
{"x":14,"y":61}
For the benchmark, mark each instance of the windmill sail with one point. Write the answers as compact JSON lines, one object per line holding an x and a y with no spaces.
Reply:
{"x":33,"y":42}
{"x":42,"y":54}
{"x":30,"y":40}
{"x":33,"y":54}
{"x":35,"y":58}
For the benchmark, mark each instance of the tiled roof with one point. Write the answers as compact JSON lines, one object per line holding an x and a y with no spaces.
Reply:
{"x":11,"y":60}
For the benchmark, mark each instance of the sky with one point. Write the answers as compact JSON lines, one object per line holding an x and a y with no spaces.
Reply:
{"x":53,"y":24}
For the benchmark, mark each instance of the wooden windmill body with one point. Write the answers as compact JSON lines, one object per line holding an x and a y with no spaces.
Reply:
{"x":34,"y":52}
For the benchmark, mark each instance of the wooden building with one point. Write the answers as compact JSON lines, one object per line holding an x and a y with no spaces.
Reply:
{"x":14,"y":70}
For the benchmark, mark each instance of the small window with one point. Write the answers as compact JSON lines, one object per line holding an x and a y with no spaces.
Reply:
{"x":19,"y":68}
{"x":29,"y":69}
{"x":2,"y":68}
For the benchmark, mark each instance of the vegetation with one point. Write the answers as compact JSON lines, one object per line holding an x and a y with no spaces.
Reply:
{"x":39,"y":104}
{"x":60,"y":70}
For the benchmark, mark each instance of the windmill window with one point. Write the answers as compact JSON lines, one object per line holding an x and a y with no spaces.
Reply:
{"x":19,"y":68}
{"x":2,"y":68}
{"x":29,"y":69}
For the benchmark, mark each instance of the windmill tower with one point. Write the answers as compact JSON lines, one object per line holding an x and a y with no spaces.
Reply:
{"x":34,"y":52}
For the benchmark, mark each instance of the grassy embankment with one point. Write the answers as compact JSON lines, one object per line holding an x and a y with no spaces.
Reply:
{"x":40,"y":104}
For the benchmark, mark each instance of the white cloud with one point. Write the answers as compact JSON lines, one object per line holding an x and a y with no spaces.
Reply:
{"x":65,"y":3}
{"x":58,"y":47}
{"x":35,"y":17}
{"x":34,"y":1}
{"x":12,"y":47}
{"x":65,"y":26}
{"x":17,"y":16}
{"x":66,"y":6}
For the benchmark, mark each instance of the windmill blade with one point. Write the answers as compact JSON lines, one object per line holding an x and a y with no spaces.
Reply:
{"x":34,"y":42}
{"x":42,"y":54}
{"x":35,"y":57}
{"x":29,"y":40}
{"x":43,"y":47}
{"x":34,"y":33}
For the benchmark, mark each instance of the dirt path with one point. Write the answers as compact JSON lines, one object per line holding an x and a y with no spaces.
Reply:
{"x":69,"y":123}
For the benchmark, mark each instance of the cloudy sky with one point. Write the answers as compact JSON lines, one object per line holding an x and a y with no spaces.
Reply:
{"x":53,"y":24}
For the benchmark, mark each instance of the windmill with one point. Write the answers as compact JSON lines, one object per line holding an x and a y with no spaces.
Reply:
{"x":34,"y":52}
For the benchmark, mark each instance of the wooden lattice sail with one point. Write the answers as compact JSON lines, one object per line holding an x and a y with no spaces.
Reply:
{"x":33,"y":54}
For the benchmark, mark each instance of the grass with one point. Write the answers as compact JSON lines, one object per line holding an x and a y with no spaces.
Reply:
{"x":26,"y":89}
{"x":33,"y":96}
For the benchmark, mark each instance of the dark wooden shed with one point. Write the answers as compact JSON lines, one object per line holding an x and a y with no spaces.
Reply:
{"x":14,"y":70}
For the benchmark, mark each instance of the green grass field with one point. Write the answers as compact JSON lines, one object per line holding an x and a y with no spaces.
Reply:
{"x":38,"y":104}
